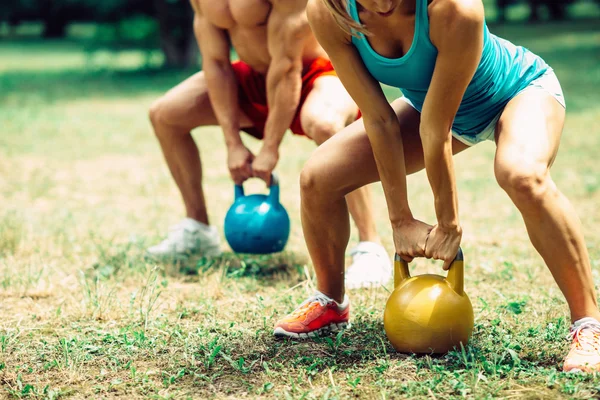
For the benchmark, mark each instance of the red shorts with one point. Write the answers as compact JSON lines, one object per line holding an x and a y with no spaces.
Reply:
{"x":252,"y":89}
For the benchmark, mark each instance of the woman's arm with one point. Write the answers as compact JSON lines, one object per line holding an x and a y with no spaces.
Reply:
{"x":456,"y":29}
{"x":381,"y":123}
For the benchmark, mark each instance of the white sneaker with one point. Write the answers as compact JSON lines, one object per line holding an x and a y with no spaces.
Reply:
{"x":188,"y":237}
{"x":371,"y":266}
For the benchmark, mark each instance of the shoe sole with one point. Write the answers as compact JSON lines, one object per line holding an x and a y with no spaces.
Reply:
{"x":331,"y":328}
{"x":365,"y":285}
{"x":575,"y":371}
{"x":210,"y":252}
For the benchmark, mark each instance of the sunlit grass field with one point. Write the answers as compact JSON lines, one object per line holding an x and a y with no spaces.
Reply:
{"x":84,"y":189}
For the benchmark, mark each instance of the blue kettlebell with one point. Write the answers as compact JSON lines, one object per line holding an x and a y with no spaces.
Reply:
{"x":257,"y":223}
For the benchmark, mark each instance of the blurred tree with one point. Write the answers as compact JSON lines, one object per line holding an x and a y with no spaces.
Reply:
{"x":46,"y":11}
{"x":556,"y":8}
{"x":56,"y":15}
{"x":175,"y":30}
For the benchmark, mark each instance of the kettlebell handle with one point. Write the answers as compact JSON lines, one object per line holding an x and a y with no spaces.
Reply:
{"x":273,"y":192}
{"x":238,"y":192}
{"x":456,"y":274}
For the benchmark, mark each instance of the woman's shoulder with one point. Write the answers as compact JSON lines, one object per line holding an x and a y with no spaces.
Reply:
{"x":455,"y":22}
{"x":323,"y":22}
{"x":317,"y":12}
{"x":456,"y":11}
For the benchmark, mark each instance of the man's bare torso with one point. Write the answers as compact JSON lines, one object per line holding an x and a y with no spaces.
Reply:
{"x":246,"y":23}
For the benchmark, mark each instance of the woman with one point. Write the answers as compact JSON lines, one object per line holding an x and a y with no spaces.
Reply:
{"x":462,"y":85}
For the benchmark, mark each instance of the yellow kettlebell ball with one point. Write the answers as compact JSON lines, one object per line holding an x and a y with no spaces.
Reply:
{"x":428,"y":314}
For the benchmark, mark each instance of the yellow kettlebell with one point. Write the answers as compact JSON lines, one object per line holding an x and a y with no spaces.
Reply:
{"x":428,"y":313}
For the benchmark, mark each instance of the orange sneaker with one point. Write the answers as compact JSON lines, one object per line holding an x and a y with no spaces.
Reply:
{"x":316,"y":316}
{"x":584,"y":355}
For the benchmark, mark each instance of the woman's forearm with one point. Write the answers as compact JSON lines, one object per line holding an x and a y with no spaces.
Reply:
{"x":386,"y":141}
{"x":439,"y":165}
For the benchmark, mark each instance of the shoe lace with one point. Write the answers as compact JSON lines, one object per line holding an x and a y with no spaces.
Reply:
{"x":310,"y":303}
{"x":586,"y":337}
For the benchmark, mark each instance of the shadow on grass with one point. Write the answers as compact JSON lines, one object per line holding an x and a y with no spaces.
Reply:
{"x":263,"y":266}
{"x":365,"y":347}
{"x":114,"y":259}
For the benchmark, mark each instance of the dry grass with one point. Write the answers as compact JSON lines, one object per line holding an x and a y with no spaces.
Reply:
{"x":84,"y":190}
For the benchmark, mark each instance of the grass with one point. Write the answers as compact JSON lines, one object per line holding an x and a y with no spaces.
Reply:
{"x":84,"y":189}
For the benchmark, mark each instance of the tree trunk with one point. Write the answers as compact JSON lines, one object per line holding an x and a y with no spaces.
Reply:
{"x":501,"y":7}
{"x":55,"y":26}
{"x":175,"y":19}
{"x":558,"y":10}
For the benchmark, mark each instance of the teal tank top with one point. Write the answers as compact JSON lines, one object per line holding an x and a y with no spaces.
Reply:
{"x":503,"y":71}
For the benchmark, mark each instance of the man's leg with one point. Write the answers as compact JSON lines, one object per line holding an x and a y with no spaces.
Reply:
{"x":173,"y":116}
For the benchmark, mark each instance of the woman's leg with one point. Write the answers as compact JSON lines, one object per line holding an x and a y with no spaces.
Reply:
{"x":528,"y":135}
{"x":326,"y":111}
{"x":342,"y":164}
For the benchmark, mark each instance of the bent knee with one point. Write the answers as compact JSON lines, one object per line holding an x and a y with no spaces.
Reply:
{"x":309,"y":179}
{"x":320,"y":130}
{"x":183,"y":115}
{"x":314,"y":178}
{"x":525,"y":182}
{"x":159,"y":112}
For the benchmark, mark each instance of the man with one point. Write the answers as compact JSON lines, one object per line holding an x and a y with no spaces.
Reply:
{"x":283,"y":79}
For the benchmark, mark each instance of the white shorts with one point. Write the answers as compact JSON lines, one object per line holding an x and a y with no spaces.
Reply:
{"x":548,"y":82}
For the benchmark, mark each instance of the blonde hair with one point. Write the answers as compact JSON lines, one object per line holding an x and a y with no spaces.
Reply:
{"x":339,"y":11}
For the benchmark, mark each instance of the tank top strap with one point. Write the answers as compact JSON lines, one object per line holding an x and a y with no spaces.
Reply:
{"x":423,"y":17}
{"x":351,"y":8}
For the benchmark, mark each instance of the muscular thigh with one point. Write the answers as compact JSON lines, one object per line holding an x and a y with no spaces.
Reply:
{"x":529,"y":131}
{"x":347,"y":158}
{"x":188,"y":105}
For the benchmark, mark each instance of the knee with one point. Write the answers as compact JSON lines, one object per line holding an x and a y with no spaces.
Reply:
{"x":321,"y":130}
{"x":313,"y":182}
{"x":309,"y":180}
{"x":525,"y":183}
{"x":158,"y":112}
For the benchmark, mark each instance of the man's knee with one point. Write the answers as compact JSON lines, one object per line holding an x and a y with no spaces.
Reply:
{"x":185,"y":114}
{"x":158,"y":112}
{"x":320,"y":130}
